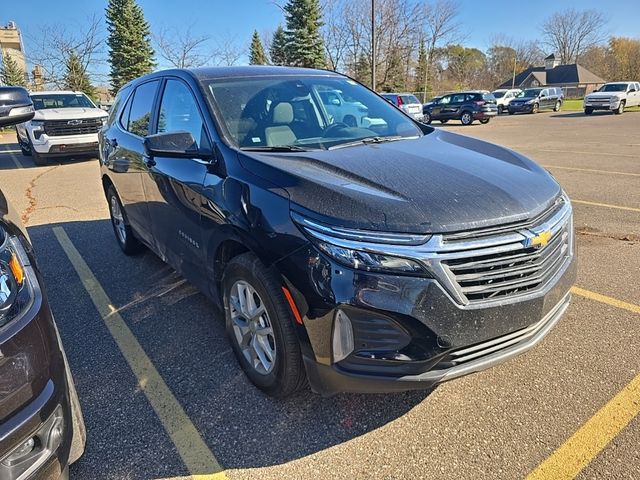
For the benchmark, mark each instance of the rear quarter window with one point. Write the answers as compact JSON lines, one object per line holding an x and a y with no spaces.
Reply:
{"x":409,"y":99}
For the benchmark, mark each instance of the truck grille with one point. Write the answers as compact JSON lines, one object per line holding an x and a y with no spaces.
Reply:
{"x":60,"y":128}
{"x":528,"y":258}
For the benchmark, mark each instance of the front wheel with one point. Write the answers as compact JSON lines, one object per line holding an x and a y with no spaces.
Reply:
{"x":484,"y":121}
{"x":124,"y":234}
{"x":426,"y":118}
{"x":24,"y":148}
{"x":557,"y":106}
{"x":588,"y":111}
{"x":466,"y":118}
{"x":535,"y":108}
{"x":620,"y":109}
{"x":260,"y":327}
{"x":500,"y":109}
{"x":444,"y":120}
{"x":39,"y":159}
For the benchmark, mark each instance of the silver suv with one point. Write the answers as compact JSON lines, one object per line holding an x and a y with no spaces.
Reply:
{"x":406,"y":102}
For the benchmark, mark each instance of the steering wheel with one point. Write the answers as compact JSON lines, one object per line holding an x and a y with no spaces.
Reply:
{"x":333,"y":127}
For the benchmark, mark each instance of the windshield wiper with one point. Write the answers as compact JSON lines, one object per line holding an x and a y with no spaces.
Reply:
{"x":369,"y":141}
{"x":278,"y":148}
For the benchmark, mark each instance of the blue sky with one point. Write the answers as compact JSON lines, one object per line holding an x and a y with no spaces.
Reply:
{"x":481,"y":20}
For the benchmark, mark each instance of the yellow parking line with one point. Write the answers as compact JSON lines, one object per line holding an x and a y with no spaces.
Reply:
{"x":612,"y":154}
{"x":598,"y":297}
{"x":593,"y":170}
{"x":15,"y":160}
{"x":195,"y":454}
{"x":592,"y":437}
{"x":606,"y":205}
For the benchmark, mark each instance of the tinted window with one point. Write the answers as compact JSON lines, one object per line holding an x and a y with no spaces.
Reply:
{"x":500,"y":94}
{"x":459,"y":98}
{"x":141,"y":106}
{"x":115,"y":108}
{"x":489,"y":98}
{"x":409,"y":99}
{"x":179,"y":112}
{"x":446,"y":99}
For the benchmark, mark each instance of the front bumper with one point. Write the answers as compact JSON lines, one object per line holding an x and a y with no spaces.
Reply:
{"x":65,"y":145}
{"x":408,"y":332}
{"x":34,"y":398}
{"x":612,"y":105}
{"x":523,"y":108}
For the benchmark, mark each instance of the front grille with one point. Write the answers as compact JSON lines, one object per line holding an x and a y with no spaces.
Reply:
{"x":59,"y":128}
{"x":498,"y":268}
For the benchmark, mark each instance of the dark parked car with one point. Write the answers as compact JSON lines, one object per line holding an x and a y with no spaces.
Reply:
{"x":463,"y":106}
{"x":41,"y":425}
{"x":390,"y":257}
{"x":532,"y":100}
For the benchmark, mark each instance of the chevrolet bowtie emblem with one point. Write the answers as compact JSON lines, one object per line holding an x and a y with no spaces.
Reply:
{"x":540,"y":240}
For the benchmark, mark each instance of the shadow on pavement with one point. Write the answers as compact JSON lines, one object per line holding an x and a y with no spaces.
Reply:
{"x":183,"y":334}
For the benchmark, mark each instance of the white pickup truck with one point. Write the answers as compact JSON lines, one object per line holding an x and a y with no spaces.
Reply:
{"x":613,"y":96}
{"x":66,"y":123}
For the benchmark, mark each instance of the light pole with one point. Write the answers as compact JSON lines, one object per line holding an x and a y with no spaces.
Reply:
{"x":373,"y":45}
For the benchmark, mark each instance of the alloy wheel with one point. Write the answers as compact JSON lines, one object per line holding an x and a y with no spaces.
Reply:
{"x":118,"y":220}
{"x":252,"y":327}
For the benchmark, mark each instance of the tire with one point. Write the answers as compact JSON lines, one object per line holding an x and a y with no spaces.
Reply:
{"x":25,"y":149}
{"x":620,"y":109}
{"x":511,"y":113}
{"x":588,"y":111}
{"x":444,"y":120}
{"x":124,"y":234}
{"x":485,"y":121}
{"x":275,"y":367}
{"x":350,"y":121}
{"x":535,"y":108}
{"x":557,"y":106}
{"x":39,"y":159}
{"x":466,"y":118}
{"x":426,"y":118}
{"x":500,"y":109}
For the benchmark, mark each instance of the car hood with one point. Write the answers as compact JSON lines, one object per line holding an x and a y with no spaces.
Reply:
{"x":441,"y":182}
{"x":69,"y":113}
{"x":605,"y":94}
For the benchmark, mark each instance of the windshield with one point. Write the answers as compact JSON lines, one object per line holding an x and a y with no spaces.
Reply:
{"x":529,"y":93}
{"x":499,"y":94}
{"x":61,"y":100}
{"x":614,"y":87}
{"x":306,"y":112}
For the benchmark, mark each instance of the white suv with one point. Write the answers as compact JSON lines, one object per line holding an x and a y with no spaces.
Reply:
{"x":66,"y":123}
{"x":614,"y":96}
{"x":504,"y":97}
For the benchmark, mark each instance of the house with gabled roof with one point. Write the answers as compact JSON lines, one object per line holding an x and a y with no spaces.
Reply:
{"x":573,"y":77}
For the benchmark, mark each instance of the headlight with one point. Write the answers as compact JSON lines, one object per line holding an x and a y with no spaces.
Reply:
{"x":15,"y":294}
{"x":363,"y":249}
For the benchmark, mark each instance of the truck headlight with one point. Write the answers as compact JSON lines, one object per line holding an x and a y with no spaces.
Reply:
{"x":364,"y":249}
{"x":15,"y":292}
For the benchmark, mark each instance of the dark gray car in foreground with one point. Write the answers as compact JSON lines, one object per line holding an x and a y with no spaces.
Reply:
{"x":379,"y":257}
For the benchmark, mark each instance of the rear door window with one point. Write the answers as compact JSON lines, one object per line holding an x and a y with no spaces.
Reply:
{"x":458,"y":98}
{"x":139,"y":118}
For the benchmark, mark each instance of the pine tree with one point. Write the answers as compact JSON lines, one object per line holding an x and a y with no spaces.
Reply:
{"x":305,"y":47}
{"x":278,"y":49}
{"x":257,"y":55}
{"x":75,"y":77}
{"x":129,"y":41}
{"x":10,"y":73}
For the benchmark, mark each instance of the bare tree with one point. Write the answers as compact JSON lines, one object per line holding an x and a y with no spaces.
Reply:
{"x":335,"y":33}
{"x":441,"y":26}
{"x":227,"y":51}
{"x":54,"y":46}
{"x":180,"y":49}
{"x":572,"y":32}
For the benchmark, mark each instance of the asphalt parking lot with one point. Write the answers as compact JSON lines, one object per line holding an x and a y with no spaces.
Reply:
{"x":163,"y":396}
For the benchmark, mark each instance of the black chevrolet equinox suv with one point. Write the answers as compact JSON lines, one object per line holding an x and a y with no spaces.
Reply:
{"x":379,"y":257}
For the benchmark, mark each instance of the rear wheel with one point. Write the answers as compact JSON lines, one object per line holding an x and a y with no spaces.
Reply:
{"x":500,"y":109}
{"x":484,"y":121}
{"x":535,"y":108}
{"x":124,"y":234}
{"x":260,"y":327}
{"x":466,"y":118}
{"x":588,"y":111}
{"x":511,"y":113}
{"x":620,"y":109}
{"x":426,"y":118}
{"x":557,"y":106}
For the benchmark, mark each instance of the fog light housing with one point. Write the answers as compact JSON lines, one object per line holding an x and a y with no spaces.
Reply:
{"x":342,"y":338}
{"x":22,"y":452}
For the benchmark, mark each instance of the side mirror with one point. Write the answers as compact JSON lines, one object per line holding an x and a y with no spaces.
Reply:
{"x":542,"y":95}
{"x":174,"y":145}
{"x":336,"y":102}
{"x":15,"y":106}
{"x":632,"y":90}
